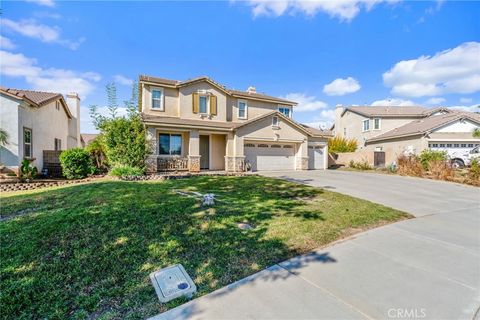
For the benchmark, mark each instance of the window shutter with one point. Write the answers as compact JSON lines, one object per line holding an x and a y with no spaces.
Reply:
{"x":195,"y":102}
{"x":213,"y":105}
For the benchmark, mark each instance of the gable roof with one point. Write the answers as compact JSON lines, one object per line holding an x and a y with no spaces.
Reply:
{"x":36,"y":98}
{"x":425,"y":125}
{"x":230,"y":92}
{"x":88,"y":137}
{"x":387,"y":111}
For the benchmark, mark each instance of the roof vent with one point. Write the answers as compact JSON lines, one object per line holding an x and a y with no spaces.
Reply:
{"x":251,"y":89}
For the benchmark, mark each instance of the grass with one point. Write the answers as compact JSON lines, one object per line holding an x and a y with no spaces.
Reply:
{"x":85,"y":251}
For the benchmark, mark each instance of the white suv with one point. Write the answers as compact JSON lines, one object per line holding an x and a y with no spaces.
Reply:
{"x":463,"y":159}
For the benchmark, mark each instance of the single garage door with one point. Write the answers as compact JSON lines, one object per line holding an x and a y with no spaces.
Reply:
{"x":316,"y":157}
{"x":264,"y":157}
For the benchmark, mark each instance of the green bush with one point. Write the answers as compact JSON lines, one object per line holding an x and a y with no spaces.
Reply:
{"x":361,"y":165}
{"x":27,"y":172}
{"x":428,"y":156}
{"x":76,"y":163}
{"x":474,"y":170}
{"x":339,"y":144}
{"x":122,"y":171}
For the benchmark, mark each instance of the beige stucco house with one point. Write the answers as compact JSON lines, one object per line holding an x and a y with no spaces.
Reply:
{"x":37,"y":121}
{"x":199,"y":124}
{"x":390,"y":131}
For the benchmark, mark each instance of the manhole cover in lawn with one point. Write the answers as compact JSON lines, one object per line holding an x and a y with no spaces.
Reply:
{"x":172,"y":282}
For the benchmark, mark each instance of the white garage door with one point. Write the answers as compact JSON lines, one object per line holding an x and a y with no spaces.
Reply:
{"x":316,"y":157}
{"x":264,"y":157}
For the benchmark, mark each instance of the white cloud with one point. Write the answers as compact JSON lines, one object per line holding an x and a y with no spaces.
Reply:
{"x":47,"y":3}
{"x":324,"y":120}
{"x":471,"y":108}
{"x":30,"y":28}
{"x":122,"y":80}
{"x":466,"y":100}
{"x":51,"y":79}
{"x":454,"y":70}
{"x":344,"y":10}
{"x":6,"y":43}
{"x":305,"y":103}
{"x":393,"y":102}
{"x":435,"y":101}
{"x":340,"y":87}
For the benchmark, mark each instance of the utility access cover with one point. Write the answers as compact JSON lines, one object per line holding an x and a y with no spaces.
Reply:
{"x":172,"y":282}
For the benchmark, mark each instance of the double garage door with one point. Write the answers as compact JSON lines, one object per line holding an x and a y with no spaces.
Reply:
{"x":263,"y":157}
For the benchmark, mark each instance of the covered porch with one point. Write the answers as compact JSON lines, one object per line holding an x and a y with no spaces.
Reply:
{"x":193,"y":150}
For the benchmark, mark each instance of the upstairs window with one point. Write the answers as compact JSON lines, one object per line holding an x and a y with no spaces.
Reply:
{"x":170,"y":144}
{"x":157,"y":99}
{"x":376,"y":124}
{"x":274,"y":121}
{"x":285,"y":110}
{"x":366,"y":125}
{"x":242,"y":110}
{"x":27,"y":143}
{"x":58,"y":144}
{"x":204,"y":104}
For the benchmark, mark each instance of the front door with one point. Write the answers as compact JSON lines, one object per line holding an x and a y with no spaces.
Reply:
{"x":204,"y":152}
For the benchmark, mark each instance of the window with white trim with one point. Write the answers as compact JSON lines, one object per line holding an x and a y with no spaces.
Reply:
{"x":286,"y":111}
{"x":157,"y":99}
{"x":376,"y":124}
{"x":170,"y":144}
{"x":27,"y":143}
{"x":366,"y":125}
{"x":242,"y":109}
{"x":274,"y":121}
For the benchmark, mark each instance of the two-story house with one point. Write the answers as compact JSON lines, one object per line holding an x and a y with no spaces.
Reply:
{"x":36,"y":122}
{"x":393,"y":130}
{"x":199,"y":124}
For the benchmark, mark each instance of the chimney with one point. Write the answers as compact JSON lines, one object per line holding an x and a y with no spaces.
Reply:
{"x":251,"y":89}
{"x":73,"y":103}
{"x":339,"y":122}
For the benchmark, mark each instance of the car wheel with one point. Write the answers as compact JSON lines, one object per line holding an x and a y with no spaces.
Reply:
{"x":457,"y":164}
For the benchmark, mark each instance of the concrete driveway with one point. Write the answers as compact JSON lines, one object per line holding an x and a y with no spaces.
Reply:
{"x":423,"y":268}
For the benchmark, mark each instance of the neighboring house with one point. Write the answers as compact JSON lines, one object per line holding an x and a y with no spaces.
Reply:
{"x":199,"y":124}
{"x":86,"y":138}
{"x":37,"y":122}
{"x":396,"y":130}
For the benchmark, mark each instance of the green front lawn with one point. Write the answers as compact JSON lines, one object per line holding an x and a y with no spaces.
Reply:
{"x":86,"y":251}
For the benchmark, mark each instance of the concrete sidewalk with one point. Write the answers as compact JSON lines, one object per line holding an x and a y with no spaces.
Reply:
{"x":426,"y":268}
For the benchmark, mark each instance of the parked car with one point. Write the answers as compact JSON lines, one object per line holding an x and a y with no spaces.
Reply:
{"x":460,"y":160}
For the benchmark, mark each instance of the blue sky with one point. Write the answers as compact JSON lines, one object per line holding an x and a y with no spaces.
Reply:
{"x":315,"y":52}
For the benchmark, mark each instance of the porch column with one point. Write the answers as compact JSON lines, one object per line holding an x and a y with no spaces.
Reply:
{"x":194,"y":151}
{"x":301,"y":159}
{"x":151,"y":161}
{"x":234,"y":159}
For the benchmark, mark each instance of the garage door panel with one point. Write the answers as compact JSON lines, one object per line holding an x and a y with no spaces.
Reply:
{"x":270,"y":158}
{"x":316,"y":157}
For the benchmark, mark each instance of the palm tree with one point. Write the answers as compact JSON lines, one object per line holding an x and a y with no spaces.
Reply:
{"x":3,"y":137}
{"x":476,"y":133}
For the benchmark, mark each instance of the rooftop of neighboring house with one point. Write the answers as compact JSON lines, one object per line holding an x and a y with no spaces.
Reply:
{"x":427,"y":124}
{"x":88,"y":137}
{"x":36,"y":98}
{"x":388,"y":111}
{"x":250,"y":93}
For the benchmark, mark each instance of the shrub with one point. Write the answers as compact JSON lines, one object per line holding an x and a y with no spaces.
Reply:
{"x":27,"y":171}
{"x":474,"y":170}
{"x":340,"y":144}
{"x":361,"y":165}
{"x":428,"y":156}
{"x":410,"y":166}
{"x":76,"y":163}
{"x":122,"y":171}
{"x":440,"y":169}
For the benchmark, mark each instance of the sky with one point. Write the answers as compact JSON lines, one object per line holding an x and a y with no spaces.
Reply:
{"x":317,"y":53}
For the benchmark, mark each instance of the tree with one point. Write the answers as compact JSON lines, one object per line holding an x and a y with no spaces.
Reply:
{"x":476,"y":133}
{"x":3,"y":137}
{"x":124,"y":137}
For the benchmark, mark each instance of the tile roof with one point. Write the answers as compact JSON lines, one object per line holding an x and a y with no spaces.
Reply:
{"x":424,"y":125}
{"x":388,"y":111}
{"x":187,"y":122}
{"x":88,"y":137}
{"x":318,"y":132}
{"x":232,"y":92}
{"x":38,"y":98}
